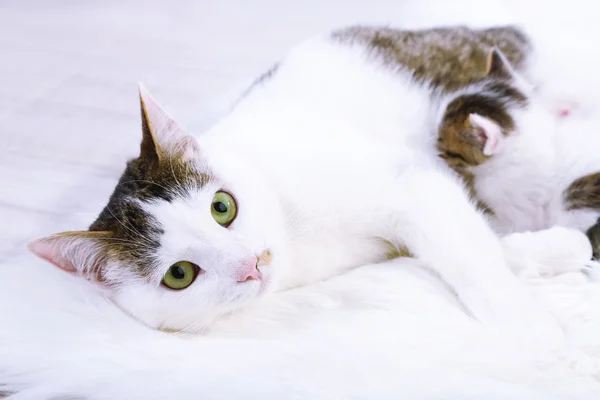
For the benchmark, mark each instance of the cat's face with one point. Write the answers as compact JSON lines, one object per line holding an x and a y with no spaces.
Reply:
{"x":460,"y":143}
{"x":475,"y":122}
{"x":182,"y":240}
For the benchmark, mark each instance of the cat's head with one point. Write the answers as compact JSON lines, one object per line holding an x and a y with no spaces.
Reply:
{"x":179,"y":242}
{"x":478,"y":118}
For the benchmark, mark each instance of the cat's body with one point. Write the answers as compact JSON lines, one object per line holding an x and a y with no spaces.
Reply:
{"x":332,"y":164}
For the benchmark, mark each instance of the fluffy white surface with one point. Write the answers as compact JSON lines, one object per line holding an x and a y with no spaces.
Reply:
{"x":376,"y":332}
{"x":68,"y":95}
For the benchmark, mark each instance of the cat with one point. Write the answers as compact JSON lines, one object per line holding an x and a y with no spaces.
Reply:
{"x":527,"y":176}
{"x":490,"y":107}
{"x":297,"y":184}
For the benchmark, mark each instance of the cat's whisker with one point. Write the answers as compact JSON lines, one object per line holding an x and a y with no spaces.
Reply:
{"x":194,"y":328}
{"x":294,"y":218}
{"x":123,"y":241}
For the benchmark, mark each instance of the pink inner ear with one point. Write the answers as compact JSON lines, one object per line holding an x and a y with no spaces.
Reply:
{"x":491,"y":133}
{"x":48,"y":251}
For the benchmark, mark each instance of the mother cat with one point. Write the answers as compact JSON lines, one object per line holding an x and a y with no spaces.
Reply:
{"x":298,"y":183}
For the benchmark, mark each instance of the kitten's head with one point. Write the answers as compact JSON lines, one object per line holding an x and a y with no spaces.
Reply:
{"x":180,"y":242}
{"x":476,"y":121}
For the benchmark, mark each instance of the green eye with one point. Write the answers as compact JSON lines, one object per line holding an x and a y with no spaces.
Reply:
{"x":180,"y":275}
{"x":223,"y":208}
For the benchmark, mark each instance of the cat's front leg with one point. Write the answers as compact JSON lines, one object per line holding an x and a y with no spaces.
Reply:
{"x":434,"y":218}
{"x":549,"y":252}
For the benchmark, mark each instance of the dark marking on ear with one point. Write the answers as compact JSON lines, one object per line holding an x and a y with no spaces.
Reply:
{"x":584,"y":193}
{"x":497,"y":64}
{"x":148,"y":147}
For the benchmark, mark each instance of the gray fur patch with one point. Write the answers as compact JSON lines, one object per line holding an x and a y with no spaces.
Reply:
{"x":447,"y":58}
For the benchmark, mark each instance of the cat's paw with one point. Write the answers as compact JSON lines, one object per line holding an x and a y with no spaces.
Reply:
{"x":549,"y":252}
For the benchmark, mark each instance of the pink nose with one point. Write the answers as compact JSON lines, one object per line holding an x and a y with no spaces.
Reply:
{"x":248,"y":270}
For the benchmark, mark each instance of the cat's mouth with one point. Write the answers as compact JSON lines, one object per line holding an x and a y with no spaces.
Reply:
{"x":264,"y":259}
{"x":263,"y":267}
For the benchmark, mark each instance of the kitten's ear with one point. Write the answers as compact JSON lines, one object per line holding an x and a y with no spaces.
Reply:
{"x":488,"y":132}
{"x":498,"y":64}
{"x":75,"y":252}
{"x":162,"y":137}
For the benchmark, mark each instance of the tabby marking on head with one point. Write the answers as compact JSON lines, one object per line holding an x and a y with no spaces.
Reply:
{"x":164,"y":170}
{"x":476,"y":118}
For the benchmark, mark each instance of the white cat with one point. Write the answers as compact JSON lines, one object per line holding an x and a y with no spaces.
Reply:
{"x":296,"y":185}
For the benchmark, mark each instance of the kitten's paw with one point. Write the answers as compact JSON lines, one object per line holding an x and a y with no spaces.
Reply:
{"x":592,"y":270}
{"x":549,"y":252}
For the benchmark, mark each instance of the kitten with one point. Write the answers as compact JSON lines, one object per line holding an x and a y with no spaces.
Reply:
{"x":529,"y":174}
{"x":474,"y":118}
{"x":294,"y":186}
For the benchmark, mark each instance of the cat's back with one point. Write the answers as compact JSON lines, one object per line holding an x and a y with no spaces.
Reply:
{"x":331,"y":93}
{"x":447,"y":58}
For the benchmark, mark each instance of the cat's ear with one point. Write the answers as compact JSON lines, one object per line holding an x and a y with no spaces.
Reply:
{"x":162,"y":137}
{"x":498,"y":64}
{"x":488,"y":132}
{"x":81,"y":252}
